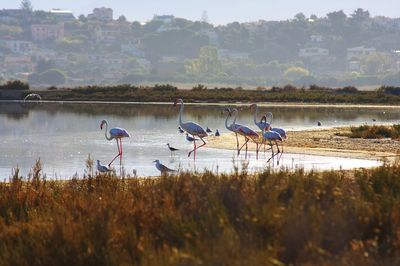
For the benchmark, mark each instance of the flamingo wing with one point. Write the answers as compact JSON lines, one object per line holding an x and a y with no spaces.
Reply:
{"x":272,"y":135}
{"x":117,"y":132}
{"x":248,"y":131}
{"x":194,"y":129}
{"x":281,"y":132}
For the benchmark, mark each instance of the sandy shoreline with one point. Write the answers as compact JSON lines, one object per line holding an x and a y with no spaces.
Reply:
{"x":324,"y":142}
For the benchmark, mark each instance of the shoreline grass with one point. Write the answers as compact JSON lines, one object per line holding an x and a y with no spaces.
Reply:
{"x":167,"y":93}
{"x":375,"y":132}
{"x":273,"y":218}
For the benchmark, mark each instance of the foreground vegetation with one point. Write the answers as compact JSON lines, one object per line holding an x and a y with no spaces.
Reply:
{"x":329,"y":218}
{"x":375,"y":132}
{"x":200,"y":93}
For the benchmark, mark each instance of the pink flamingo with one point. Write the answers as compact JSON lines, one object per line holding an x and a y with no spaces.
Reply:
{"x":262,"y":124}
{"x":191,"y":128}
{"x":117,"y":134}
{"x":245,"y":131}
{"x":281,"y":131}
{"x":271,"y":136}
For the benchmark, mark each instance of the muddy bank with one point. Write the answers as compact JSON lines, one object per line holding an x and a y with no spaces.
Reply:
{"x":324,"y":142}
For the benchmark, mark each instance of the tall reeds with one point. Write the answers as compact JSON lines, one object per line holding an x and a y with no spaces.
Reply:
{"x":270,"y":218}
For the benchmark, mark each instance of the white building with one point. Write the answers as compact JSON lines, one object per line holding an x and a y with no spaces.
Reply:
{"x":166,"y":19}
{"x":19,"y":47}
{"x":62,"y":15}
{"x":313,"y":52}
{"x":41,"y":32}
{"x":359,"y":52}
{"x":102,"y":13}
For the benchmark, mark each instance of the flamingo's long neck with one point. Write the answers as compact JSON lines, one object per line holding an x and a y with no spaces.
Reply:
{"x":105,"y":132}
{"x":235,"y":111}
{"x":226,"y":121}
{"x":256,"y":114}
{"x":181,"y":114}
{"x":269,"y":114}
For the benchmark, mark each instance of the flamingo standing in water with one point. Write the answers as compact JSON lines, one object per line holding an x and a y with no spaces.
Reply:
{"x":281,"y":131}
{"x":191,"y":128}
{"x":271,"y":136}
{"x":117,"y":134}
{"x":261,"y":124}
{"x":242,"y":130}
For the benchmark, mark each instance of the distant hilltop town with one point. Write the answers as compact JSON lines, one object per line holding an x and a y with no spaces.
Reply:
{"x":55,"y":47}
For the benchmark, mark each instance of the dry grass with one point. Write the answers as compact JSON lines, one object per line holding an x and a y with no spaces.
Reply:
{"x":300,"y":218}
{"x":375,"y":132}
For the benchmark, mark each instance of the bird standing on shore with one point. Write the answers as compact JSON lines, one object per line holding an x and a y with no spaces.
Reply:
{"x":117,"y":134}
{"x":172,"y":149}
{"x":102,"y":168}
{"x":217,"y":134}
{"x":162,"y":168}
{"x":208,"y":130}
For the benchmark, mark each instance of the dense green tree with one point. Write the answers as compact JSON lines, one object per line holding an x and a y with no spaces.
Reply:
{"x":206,"y":63}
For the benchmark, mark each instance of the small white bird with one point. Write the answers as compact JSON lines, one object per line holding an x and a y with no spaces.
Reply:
{"x":162,"y":168}
{"x":102,"y":168}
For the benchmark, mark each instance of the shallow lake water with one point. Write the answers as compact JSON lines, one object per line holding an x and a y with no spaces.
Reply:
{"x":62,"y":135}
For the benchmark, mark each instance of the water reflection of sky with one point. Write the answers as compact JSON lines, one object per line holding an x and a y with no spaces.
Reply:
{"x":63,"y":135}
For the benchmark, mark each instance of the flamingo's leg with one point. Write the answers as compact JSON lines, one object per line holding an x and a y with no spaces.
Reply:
{"x":204,"y":143}
{"x":120,"y":157}
{"x":119,"y":154}
{"x":245,"y":143}
{"x":194,"y":148}
{"x":237,"y":143}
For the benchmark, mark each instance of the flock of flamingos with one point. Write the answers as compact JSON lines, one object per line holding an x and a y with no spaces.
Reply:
{"x":269,"y":135}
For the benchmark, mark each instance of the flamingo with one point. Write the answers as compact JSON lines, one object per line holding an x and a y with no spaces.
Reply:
{"x":191,"y":128}
{"x":102,"y":168}
{"x":245,"y":131}
{"x":281,"y":131}
{"x":117,"y":134}
{"x":261,"y":124}
{"x":271,"y":136}
{"x":162,"y":168}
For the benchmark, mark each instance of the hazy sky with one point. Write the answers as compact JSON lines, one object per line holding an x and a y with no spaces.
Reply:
{"x":219,"y":11}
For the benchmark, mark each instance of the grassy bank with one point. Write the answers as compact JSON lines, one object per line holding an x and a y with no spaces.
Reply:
{"x":166,"y":93}
{"x":375,"y":132}
{"x":330,"y":218}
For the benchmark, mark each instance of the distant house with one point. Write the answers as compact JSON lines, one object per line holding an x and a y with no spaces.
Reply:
{"x":19,"y":47}
{"x":316,"y":38}
{"x":107,"y":33}
{"x":132,"y":49}
{"x":166,"y":19}
{"x":102,"y":14}
{"x":62,"y":15}
{"x":313,"y":52}
{"x":356,"y":53}
{"x":42,"y":32}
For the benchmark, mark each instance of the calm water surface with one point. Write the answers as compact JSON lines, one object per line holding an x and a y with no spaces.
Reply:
{"x":62,"y":135}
